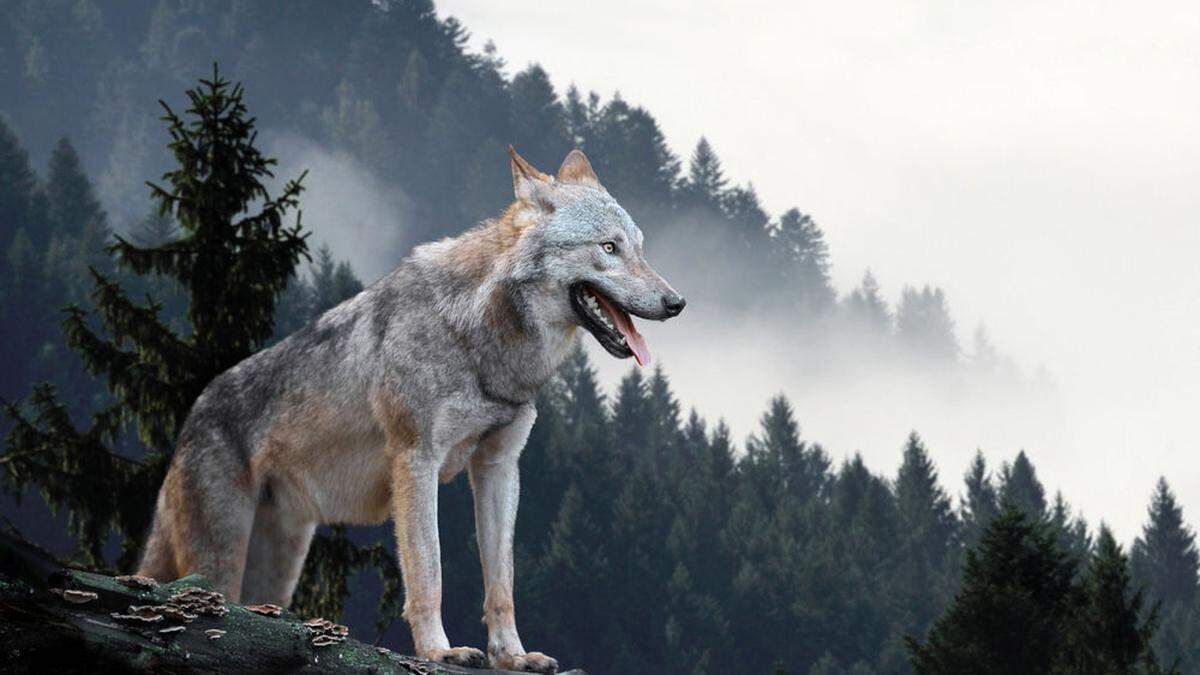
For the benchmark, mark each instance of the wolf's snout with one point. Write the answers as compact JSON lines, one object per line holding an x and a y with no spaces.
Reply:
{"x":674,"y":304}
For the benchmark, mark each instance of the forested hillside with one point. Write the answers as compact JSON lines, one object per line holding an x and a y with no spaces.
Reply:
{"x":649,"y":539}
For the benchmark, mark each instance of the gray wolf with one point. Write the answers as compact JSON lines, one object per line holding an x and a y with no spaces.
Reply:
{"x":432,"y":369}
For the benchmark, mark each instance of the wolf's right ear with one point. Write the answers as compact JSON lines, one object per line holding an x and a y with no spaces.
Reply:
{"x":529,"y":184}
{"x":577,"y":169}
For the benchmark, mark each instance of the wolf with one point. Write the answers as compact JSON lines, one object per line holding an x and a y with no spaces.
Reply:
{"x":429,"y":371}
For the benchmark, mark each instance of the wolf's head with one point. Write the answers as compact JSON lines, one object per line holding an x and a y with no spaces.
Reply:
{"x":590,"y":252}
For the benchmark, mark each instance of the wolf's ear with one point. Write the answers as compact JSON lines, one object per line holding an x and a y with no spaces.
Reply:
{"x":529,"y":184}
{"x":577,"y":169}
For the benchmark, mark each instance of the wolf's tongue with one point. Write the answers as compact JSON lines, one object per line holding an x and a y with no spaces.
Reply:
{"x":637,"y":344}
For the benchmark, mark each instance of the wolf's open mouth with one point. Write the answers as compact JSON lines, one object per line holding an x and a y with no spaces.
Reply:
{"x":611,"y":325}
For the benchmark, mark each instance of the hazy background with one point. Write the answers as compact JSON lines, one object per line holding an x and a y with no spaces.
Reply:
{"x":1039,"y":161}
{"x":1035,"y":162}
{"x":1023,"y":169}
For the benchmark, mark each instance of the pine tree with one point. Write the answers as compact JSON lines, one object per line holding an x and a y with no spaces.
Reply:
{"x":580,"y":118}
{"x":539,"y":128}
{"x":928,"y":530}
{"x":1164,"y":557}
{"x":800,"y":250}
{"x":629,"y":149}
{"x":24,"y":330}
{"x":981,"y":503}
{"x":331,"y":283}
{"x":231,"y":261}
{"x":803,"y":471}
{"x":924,"y":326}
{"x":631,"y":416}
{"x":1020,"y":487}
{"x":704,"y":185}
{"x":867,"y":309}
{"x":573,"y":572}
{"x":154,"y":230}
{"x":17,"y":185}
{"x":663,"y":412}
{"x":1071,"y":533}
{"x":1109,"y":634}
{"x":864,"y":509}
{"x":73,"y":203}
{"x":751,"y":228}
{"x":1011,"y":615}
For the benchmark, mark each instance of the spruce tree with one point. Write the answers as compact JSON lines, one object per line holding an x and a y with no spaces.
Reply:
{"x":797,"y":471}
{"x":631,"y":415}
{"x":928,"y":530}
{"x":663,"y":412}
{"x":538,"y":118}
{"x":579,"y":116}
{"x":155,"y":229}
{"x":705,"y":182}
{"x":73,"y":202}
{"x":1020,"y":487}
{"x":21,"y":287}
{"x":1070,"y":532}
{"x":1164,"y":558}
{"x":981,"y":503}
{"x":233,"y":258}
{"x":629,"y":149}
{"x":799,"y":249}
{"x":924,"y":326}
{"x":1109,"y":634}
{"x":17,"y":185}
{"x":331,"y":283}
{"x":864,"y":510}
{"x":867,"y":309}
{"x":1012,"y":613}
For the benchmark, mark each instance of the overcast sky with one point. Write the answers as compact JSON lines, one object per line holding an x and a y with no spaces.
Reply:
{"x":1038,"y":160}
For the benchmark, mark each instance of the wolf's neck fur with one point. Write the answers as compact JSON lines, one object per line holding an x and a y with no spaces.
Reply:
{"x":489,"y":286}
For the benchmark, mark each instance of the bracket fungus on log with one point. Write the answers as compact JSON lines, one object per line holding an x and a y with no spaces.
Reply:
{"x":126,"y":625}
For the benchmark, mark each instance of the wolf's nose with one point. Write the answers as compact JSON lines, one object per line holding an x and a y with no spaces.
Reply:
{"x":674,"y":304}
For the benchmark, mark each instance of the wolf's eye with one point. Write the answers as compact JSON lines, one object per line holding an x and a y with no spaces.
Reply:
{"x":609,"y":247}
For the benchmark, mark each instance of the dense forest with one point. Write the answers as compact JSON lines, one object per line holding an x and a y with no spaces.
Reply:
{"x":649,"y":539}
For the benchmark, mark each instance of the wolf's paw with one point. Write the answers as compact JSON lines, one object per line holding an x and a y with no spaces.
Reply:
{"x":529,"y":662}
{"x":467,"y":657}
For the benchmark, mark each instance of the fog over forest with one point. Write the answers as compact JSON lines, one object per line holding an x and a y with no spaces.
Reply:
{"x":736,"y":347}
{"x":1037,"y":161}
{"x":1094,"y":401}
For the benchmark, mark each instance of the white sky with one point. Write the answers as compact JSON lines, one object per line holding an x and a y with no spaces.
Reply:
{"x":1038,"y":160}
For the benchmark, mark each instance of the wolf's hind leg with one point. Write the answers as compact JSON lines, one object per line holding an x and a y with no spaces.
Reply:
{"x":278,"y":545}
{"x":202,"y":521}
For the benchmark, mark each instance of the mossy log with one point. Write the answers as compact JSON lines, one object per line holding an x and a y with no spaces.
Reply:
{"x":59,"y":620}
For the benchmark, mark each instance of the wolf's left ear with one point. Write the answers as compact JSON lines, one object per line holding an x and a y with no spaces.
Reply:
{"x":529,"y":184}
{"x":577,"y":169}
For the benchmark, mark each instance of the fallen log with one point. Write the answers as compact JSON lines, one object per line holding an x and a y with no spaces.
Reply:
{"x":60,"y":620}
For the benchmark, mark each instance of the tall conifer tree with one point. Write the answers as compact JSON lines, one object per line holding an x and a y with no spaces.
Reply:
{"x":232,"y":260}
{"x":1164,"y":557}
{"x":1011,"y":614}
{"x":1020,"y":487}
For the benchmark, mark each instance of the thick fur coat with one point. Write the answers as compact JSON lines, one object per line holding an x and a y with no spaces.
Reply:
{"x":429,"y":371}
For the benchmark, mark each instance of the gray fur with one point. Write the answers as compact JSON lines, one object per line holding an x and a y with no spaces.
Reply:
{"x":306,"y":432}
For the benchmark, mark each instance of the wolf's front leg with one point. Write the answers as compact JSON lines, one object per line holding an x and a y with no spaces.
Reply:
{"x":414,"y":500}
{"x":496,"y":485}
